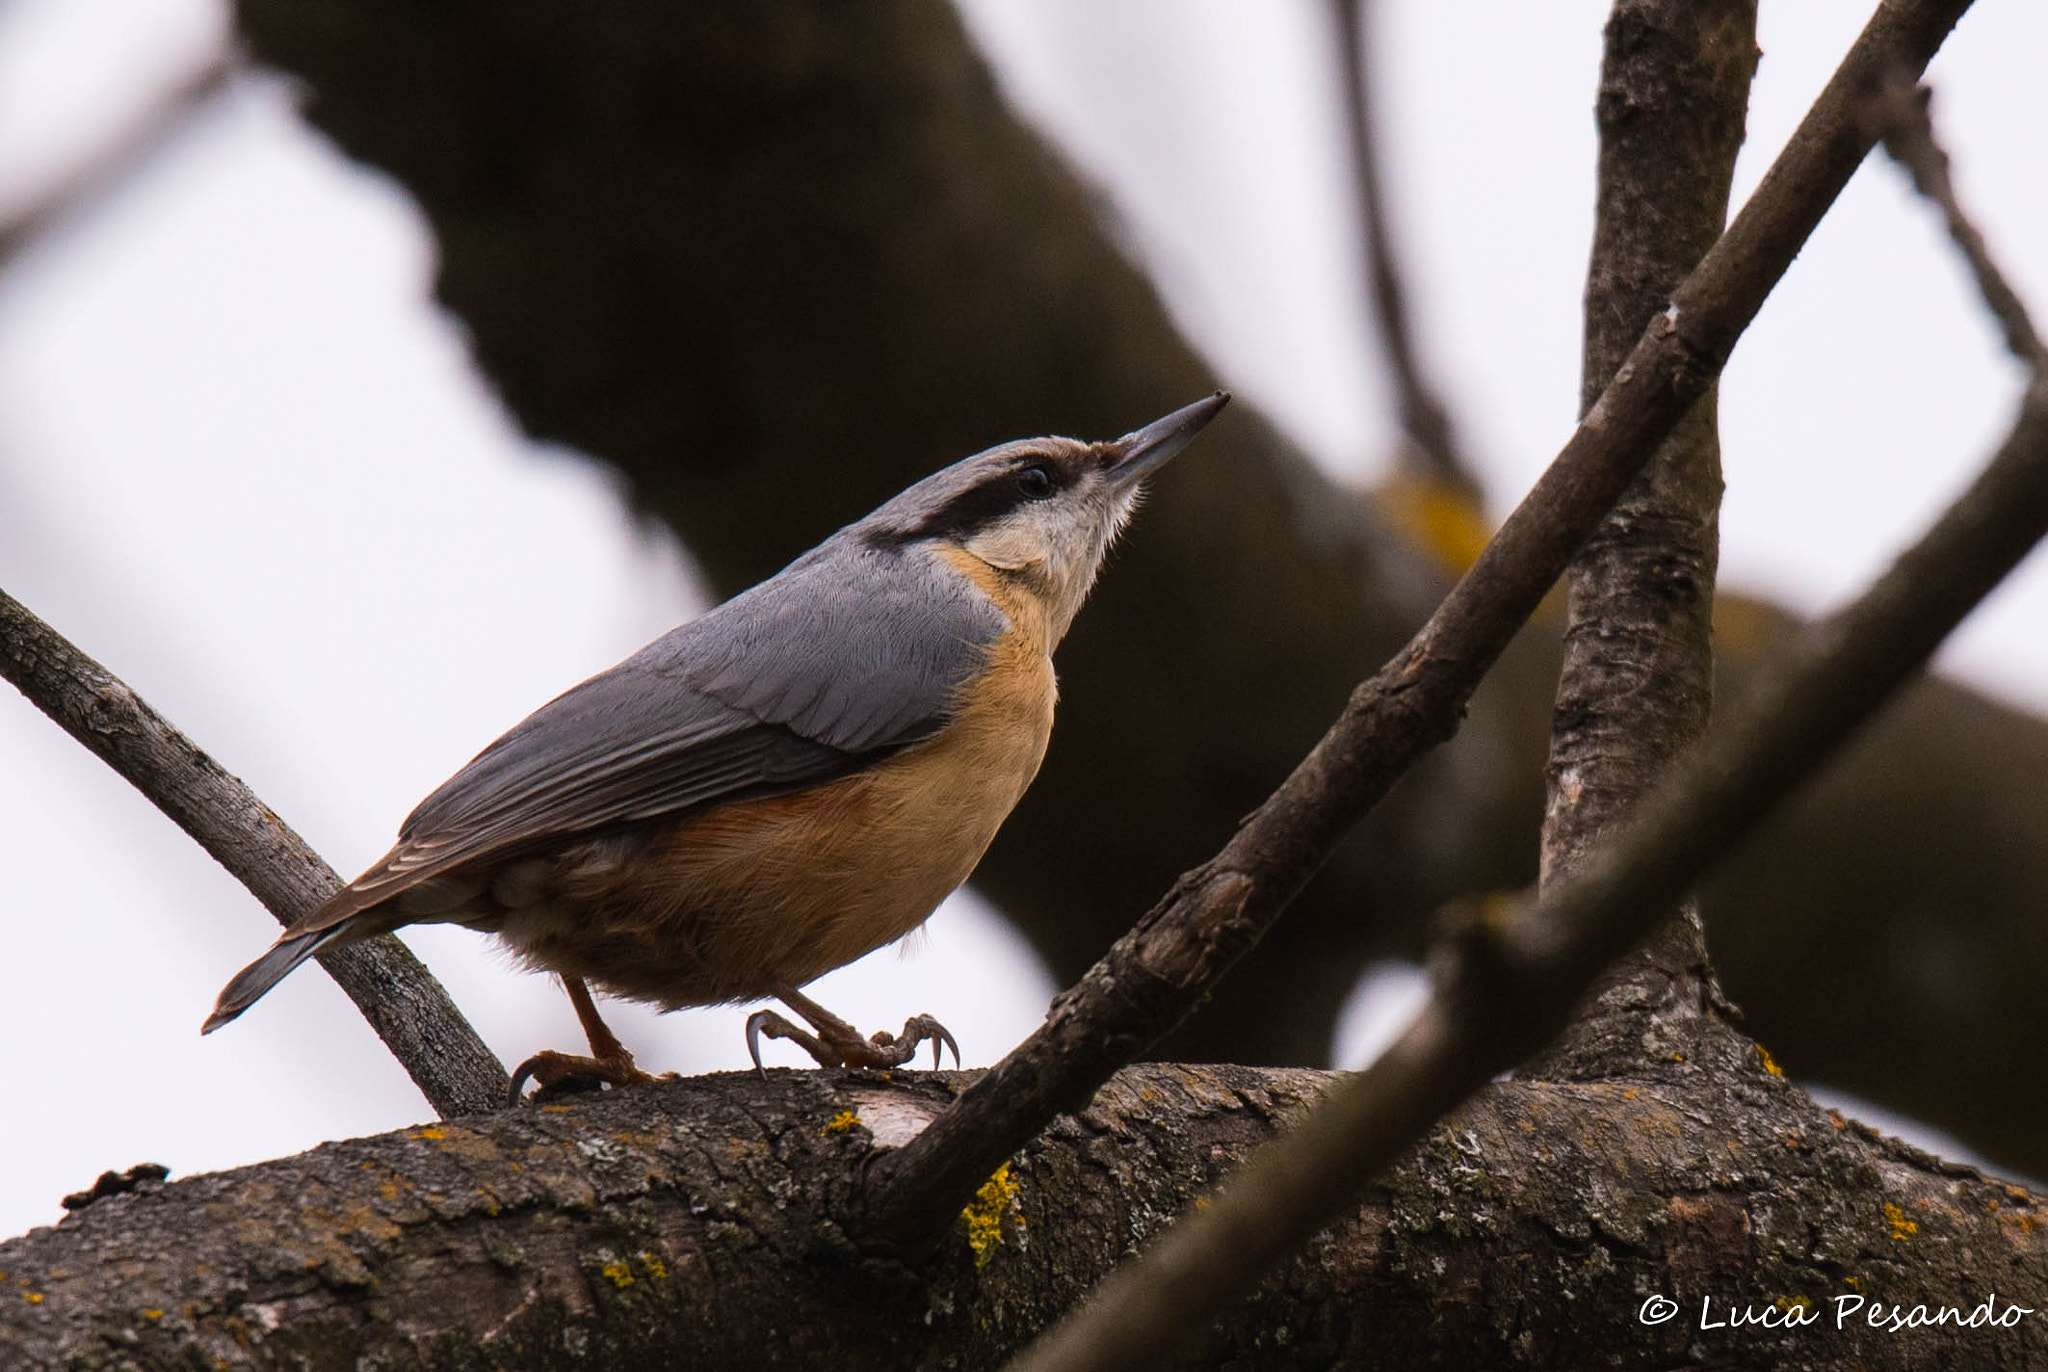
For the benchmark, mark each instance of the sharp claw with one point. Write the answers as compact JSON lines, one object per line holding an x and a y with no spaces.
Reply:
{"x":755,"y":1023}
{"x":550,"y":1069}
{"x":776,"y":1027}
{"x":924,"y":1027}
{"x":839,"y":1045}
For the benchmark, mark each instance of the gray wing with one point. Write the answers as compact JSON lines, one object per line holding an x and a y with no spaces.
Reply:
{"x":850,"y":653}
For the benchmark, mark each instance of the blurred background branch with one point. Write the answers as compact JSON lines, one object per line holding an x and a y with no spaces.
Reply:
{"x":130,"y":150}
{"x":1430,"y":446}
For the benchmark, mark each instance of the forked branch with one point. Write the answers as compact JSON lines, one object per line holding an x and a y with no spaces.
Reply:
{"x":1509,"y":980}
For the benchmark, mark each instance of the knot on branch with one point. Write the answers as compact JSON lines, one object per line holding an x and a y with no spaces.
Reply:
{"x":1201,"y":932}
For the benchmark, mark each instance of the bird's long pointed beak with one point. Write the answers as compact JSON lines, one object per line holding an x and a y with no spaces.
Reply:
{"x":1137,"y":455}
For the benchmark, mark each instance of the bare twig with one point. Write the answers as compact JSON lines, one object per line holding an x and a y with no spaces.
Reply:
{"x":1511,"y":979}
{"x":120,"y":158}
{"x":401,"y":999}
{"x":1158,"y":972}
{"x":1900,"y":113}
{"x":1432,"y":440}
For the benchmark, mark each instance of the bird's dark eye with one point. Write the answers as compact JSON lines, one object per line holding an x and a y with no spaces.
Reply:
{"x":1035,"y":481}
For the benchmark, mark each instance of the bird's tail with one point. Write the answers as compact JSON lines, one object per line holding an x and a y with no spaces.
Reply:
{"x":267,"y":971}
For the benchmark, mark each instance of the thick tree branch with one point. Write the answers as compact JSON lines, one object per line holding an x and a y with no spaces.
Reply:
{"x":1636,"y":687}
{"x":690,"y":1224}
{"x":394,"y":990}
{"x":1512,"y":976}
{"x":1159,"y":971}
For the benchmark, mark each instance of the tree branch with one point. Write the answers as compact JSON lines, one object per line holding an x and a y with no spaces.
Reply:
{"x":1513,"y":975}
{"x":1163,"y":967}
{"x":692,"y":1223}
{"x":1432,"y":445}
{"x":394,"y":990}
{"x":1900,"y":113}
{"x":1517,"y":976}
{"x":1637,"y":683}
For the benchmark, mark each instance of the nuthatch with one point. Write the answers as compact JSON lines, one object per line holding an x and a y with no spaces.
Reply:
{"x":792,"y":780}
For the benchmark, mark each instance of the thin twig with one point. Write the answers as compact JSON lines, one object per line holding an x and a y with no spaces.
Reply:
{"x":396,"y":993}
{"x":1900,"y":112}
{"x":1432,"y":439}
{"x":1158,"y":972}
{"x":1511,"y":980}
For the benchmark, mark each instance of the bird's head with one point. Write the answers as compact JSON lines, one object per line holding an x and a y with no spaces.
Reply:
{"x":1039,"y":513}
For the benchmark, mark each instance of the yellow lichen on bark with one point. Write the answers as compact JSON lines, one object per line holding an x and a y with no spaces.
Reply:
{"x":997,"y":1196}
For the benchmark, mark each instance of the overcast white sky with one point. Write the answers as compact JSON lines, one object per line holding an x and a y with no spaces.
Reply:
{"x":245,"y":462}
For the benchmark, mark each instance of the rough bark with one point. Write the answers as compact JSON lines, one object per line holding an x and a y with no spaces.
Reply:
{"x":1637,"y":685}
{"x":775,"y":259}
{"x":661,"y":1226}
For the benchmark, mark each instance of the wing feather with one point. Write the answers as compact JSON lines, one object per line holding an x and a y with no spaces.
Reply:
{"x":850,"y":653}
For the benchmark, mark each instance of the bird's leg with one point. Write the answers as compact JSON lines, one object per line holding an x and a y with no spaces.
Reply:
{"x":839,"y":1044}
{"x":608,"y":1061}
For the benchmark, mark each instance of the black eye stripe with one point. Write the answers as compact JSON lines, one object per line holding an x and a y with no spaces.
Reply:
{"x":995,"y":495}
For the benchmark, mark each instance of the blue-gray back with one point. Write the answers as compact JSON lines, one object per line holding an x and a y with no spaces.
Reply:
{"x":851,"y":652}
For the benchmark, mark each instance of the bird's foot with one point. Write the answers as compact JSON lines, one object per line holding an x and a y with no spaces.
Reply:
{"x":549,"y":1070}
{"x":837,"y":1044}
{"x":884,"y":1050}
